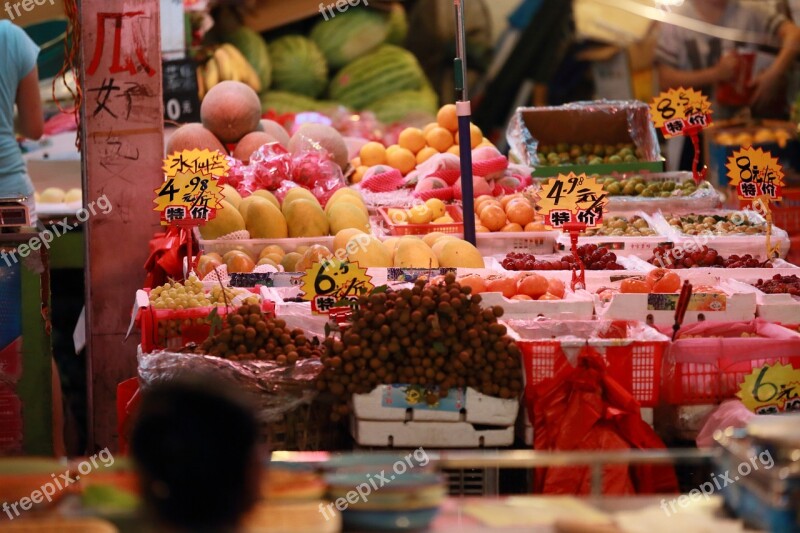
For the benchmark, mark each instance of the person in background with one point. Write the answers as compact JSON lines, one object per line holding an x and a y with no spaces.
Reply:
{"x":195,"y":445}
{"x":19,"y":84}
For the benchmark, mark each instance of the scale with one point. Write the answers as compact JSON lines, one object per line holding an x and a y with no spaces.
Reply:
{"x":13,"y":213}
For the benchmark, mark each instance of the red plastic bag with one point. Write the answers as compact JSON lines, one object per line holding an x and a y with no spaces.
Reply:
{"x":583,"y":409}
{"x":167,"y":251}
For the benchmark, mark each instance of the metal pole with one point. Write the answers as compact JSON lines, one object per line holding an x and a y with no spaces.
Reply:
{"x":464,"y":110}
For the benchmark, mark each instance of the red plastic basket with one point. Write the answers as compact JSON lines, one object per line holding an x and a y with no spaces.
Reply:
{"x":172,"y":328}
{"x":785,"y":213}
{"x":712,"y":377}
{"x":634,"y":364}
{"x":399,"y":230}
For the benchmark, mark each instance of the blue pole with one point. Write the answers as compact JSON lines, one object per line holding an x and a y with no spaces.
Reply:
{"x":464,"y":110}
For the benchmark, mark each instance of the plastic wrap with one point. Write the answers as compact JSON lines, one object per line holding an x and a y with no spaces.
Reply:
{"x":269,"y":166}
{"x":703,"y":199}
{"x":581,"y":124}
{"x":276,"y":389}
{"x":731,"y":413}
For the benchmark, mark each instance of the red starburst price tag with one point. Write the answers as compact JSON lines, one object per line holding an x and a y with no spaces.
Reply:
{"x":572,"y":199}
{"x":191,"y":193}
{"x":754,"y":172}
{"x":678,"y":111}
{"x":330,"y":282}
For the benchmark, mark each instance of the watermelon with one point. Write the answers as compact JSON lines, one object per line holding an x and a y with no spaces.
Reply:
{"x":397,"y":107}
{"x":351,"y":35}
{"x":398,"y":25}
{"x":298,"y":66}
{"x":254,"y":48}
{"x":387,"y":70}
{"x":283,"y":102}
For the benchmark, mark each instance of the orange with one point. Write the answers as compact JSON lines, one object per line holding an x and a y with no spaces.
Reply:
{"x":486,"y":142}
{"x":512,"y":227}
{"x":475,"y":136}
{"x":373,"y":153}
{"x":455,"y":150}
{"x":356,"y":162}
{"x":439,"y":139}
{"x":534,"y":226}
{"x":493,"y":217}
{"x":485,"y":204}
{"x":447,"y":117}
{"x":358,"y":175}
{"x":481,"y":229}
{"x":520,"y":212}
{"x":402,"y":159}
{"x":429,"y":127}
{"x":412,"y":139}
{"x":425,"y":154}
{"x":505,"y":200}
{"x":392,"y":148}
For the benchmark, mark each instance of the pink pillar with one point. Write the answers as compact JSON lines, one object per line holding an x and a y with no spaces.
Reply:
{"x":122,"y":145}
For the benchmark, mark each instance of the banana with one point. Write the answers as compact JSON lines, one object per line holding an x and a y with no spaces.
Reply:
{"x":226,"y":70}
{"x":201,"y":81}
{"x":211,"y":73}
{"x":242,"y":66}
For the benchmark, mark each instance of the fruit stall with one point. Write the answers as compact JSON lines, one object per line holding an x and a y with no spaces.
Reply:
{"x":544,"y":337}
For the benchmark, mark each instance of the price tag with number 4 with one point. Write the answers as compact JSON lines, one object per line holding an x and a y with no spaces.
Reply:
{"x":191,"y":193}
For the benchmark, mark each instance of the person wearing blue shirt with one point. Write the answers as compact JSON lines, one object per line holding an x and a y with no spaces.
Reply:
{"x":19,"y":84}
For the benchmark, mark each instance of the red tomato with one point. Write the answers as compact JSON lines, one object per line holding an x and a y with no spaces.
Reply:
{"x":662,"y":280}
{"x":556,"y":287}
{"x":474,"y":281}
{"x":548,"y":296}
{"x":634,"y":285}
{"x":532,"y":285}
{"x":507,"y":286}
{"x":521,"y":297}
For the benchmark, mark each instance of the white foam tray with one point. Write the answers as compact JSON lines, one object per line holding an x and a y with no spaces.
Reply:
{"x":428,"y":434}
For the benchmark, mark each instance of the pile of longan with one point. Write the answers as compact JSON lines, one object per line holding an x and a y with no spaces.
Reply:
{"x":248,"y":334}
{"x":433,"y":335}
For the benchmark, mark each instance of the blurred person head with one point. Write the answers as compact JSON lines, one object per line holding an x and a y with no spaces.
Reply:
{"x":195,"y":443}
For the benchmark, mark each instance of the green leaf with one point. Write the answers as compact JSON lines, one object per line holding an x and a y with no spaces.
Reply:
{"x":216,"y":322}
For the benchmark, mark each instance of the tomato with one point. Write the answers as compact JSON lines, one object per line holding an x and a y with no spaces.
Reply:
{"x":634,"y":285}
{"x":521,"y":297}
{"x":556,"y":287}
{"x":475,"y":282}
{"x":548,"y":296}
{"x":662,"y":280}
{"x":533,"y":285}
{"x":507,"y":286}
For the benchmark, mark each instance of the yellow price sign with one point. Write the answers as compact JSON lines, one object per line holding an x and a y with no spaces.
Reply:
{"x":191,"y":192}
{"x":572,"y":199}
{"x":330,"y":281}
{"x":771,"y":389}
{"x":679,"y":110}
{"x":755,"y":172}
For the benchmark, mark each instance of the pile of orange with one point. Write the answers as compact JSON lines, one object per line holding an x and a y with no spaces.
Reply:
{"x":511,"y":213}
{"x":415,"y":146}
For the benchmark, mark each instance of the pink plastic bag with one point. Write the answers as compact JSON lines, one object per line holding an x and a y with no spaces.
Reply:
{"x":731,"y":413}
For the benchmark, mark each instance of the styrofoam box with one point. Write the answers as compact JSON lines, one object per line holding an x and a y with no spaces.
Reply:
{"x":739,"y":307}
{"x":782,"y":308}
{"x":479,"y":409}
{"x":577,"y":305}
{"x":595,"y":279}
{"x":713,"y":276}
{"x":622,"y":245}
{"x":532,"y":242}
{"x":430,"y":434}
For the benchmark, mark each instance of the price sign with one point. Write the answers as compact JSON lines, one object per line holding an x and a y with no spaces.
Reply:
{"x":191,"y":193}
{"x":680,"y":110}
{"x":329,"y":282}
{"x":771,"y":389}
{"x":571,"y":198}
{"x":754,"y":172}
{"x":181,"y":97}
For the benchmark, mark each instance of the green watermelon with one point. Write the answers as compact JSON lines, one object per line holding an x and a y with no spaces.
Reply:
{"x":387,"y":70}
{"x":254,"y":48}
{"x":398,"y":25}
{"x":397,"y":107}
{"x":298,"y":66}
{"x":350,"y":35}
{"x":283,"y":102}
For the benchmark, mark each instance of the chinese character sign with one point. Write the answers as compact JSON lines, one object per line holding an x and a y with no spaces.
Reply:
{"x":678,"y":110}
{"x":755,"y":173}
{"x":191,"y":192}
{"x":572,"y":199}
{"x":331,"y":281}
{"x":771,"y":389}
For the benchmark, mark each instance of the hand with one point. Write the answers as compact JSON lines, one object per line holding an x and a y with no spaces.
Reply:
{"x":727,"y":66}
{"x":765,"y":86}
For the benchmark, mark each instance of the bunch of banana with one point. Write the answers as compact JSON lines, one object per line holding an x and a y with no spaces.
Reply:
{"x":226,"y":64}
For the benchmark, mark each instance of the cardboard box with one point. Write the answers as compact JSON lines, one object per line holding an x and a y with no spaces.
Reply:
{"x":600,"y":122}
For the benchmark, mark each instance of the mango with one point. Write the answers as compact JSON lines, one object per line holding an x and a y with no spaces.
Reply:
{"x":298,"y":193}
{"x":344,"y":191}
{"x":264,"y":221}
{"x":439,"y":244}
{"x":342,"y":237}
{"x":344,"y":216}
{"x":456,"y":253}
{"x":305,"y":219}
{"x":368,"y":253}
{"x":433,"y":237}
{"x":414,"y":253}
{"x":232,"y":195}
{"x":245,"y":204}
{"x":268,"y":195}
{"x":228,"y":220}
{"x":391,"y":244}
{"x":348,"y":200}
{"x":290,"y":260}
